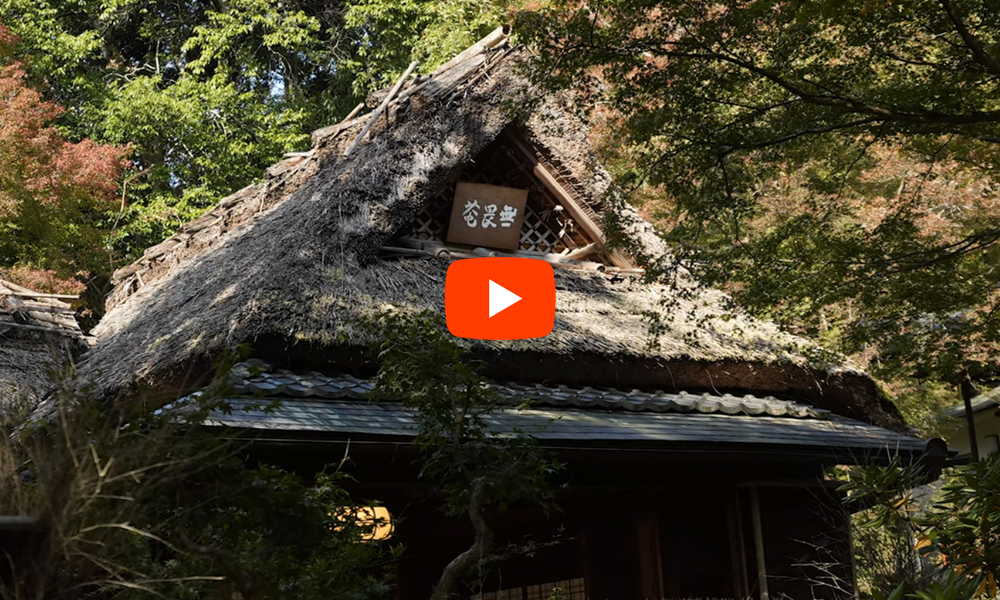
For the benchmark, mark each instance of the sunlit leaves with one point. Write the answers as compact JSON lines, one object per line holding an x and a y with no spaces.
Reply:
{"x":51,"y":190}
{"x":832,"y":164}
{"x":232,"y":40}
{"x":394,"y":33}
{"x":209,"y":94}
{"x":957,"y":529}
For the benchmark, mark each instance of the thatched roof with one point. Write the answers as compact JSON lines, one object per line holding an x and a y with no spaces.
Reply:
{"x":290,"y":265}
{"x":38,"y":336}
{"x":988,"y":400}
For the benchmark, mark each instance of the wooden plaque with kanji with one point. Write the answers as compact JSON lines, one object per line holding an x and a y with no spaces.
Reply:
{"x":487,"y":215}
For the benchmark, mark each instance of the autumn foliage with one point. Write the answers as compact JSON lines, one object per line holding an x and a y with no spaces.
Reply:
{"x":52,"y":191}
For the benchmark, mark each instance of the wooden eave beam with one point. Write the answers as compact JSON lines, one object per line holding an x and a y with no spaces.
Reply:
{"x":411,"y":247}
{"x":565,"y":198}
{"x":18,"y":523}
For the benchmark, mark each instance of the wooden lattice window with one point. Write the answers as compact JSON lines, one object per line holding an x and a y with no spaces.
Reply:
{"x":547,"y":228}
{"x":569,"y":589}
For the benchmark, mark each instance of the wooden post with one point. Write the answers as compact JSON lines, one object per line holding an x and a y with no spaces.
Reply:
{"x":968,"y":393}
{"x":647,"y":537}
{"x":758,"y":543}
{"x":854,"y":557}
{"x":737,"y":547}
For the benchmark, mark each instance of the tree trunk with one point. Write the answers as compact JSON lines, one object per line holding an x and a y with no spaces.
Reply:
{"x":968,"y":393}
{"x":461,"y":564}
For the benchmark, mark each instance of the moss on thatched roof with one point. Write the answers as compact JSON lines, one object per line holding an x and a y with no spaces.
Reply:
{"x":296,"y":259}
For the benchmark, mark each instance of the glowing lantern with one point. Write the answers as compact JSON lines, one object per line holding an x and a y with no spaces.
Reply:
{"x":375,"y":520}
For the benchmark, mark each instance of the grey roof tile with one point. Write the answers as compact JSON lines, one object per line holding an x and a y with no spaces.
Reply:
{"x":256,"y":378}
{"x":337,"y":404}
{"x":569,"y":424}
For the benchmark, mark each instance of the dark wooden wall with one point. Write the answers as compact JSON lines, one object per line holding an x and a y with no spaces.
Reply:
{"x":635,"y":525}
{"x":807,"y":546}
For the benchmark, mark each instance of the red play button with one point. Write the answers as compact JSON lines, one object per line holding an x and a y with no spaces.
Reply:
{"x":501,"y":298}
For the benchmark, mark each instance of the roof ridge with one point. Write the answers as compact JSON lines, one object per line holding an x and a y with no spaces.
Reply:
{"x":286,"y":176}
{"x":24,"y":309}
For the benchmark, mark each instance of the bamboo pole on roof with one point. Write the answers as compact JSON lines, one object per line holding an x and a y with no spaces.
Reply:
{"x":492,"y":39}
{"x":48,"y":309}
{"x":353,"y":113}
{"x":381,"y":108}
{"x":35,"y":327}
{"x":37,"y":295}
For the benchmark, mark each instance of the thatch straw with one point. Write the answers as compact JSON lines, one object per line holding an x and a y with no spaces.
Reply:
{"x":296,"y":259}
{"x":38,"y":337}
{"x":28,"y":362}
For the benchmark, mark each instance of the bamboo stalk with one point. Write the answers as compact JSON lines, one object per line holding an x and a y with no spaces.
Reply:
{"x":492,"y":40}
{"x":42,"y":317}
{"x":414,"y":247}
{"x":37,"y":295}
{"x":381,"y":108}
{"x":579,"y":253}
{"x":38,"y":328}
{"x":331,"y":132}
{"x":353,"y":113}
{"x":48,"y":309}
{"x":458,"y":253}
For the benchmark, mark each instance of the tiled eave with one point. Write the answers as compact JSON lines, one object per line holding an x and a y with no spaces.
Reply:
{"x":265,"y":399}
{"x":393,"y":420}
{"x":256,"y":380}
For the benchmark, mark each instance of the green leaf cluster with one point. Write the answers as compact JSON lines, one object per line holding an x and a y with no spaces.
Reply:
{"x":209,"y":94}
{"x":833,"y":164}
{"x":423,"y":367}
{"x":398,"y":32}
{"x":144,"y":503}
{"x":954,"y":527}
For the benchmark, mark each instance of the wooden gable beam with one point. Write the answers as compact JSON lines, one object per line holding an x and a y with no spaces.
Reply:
{"x":523,"y":148}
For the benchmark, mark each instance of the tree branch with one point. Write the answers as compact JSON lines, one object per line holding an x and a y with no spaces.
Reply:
{"x":851,"y":104}
{"x":832,"y":99}
{"x":973,"y":43}
{"x":804,"y":132}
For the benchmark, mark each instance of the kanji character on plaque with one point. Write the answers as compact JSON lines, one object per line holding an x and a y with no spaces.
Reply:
{"x":471,"y":213}
{"x":490,"y":211}
{"x":483,"y":215}
{"x":507,"y":215}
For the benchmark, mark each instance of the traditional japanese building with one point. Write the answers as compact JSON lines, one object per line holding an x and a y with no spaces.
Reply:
{"x":695,"y":437}
{"x":985,"y":424}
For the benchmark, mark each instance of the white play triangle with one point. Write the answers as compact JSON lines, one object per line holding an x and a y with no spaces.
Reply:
{"x":501,"y":298}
